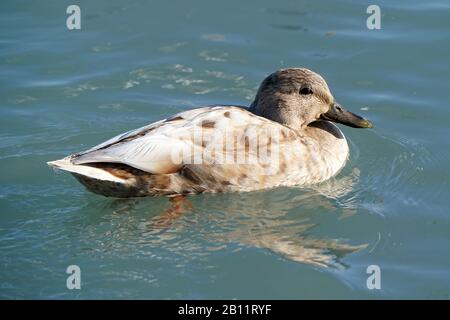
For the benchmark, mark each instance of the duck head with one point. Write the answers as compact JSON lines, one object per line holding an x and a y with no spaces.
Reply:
{"x":297,"y":97}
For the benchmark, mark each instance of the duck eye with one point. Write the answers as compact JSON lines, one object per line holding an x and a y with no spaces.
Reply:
{"x":306,"y":91}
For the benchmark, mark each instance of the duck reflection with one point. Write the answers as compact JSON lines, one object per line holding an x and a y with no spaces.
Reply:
{"x":280,"y":220}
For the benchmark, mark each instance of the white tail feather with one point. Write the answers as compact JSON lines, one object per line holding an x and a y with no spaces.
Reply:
{"x":85,"y":170}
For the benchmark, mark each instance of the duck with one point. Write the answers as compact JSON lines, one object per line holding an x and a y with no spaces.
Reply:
{"x":287,"y":137}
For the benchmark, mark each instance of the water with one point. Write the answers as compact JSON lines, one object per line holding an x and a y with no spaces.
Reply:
{"x":135,"y":62}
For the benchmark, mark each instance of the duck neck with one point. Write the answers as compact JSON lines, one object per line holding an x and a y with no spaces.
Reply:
{"x":281,"y":114}
{"x":252,"y":108}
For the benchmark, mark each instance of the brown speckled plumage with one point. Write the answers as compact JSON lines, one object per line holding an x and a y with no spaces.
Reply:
{"x":279,"y":141}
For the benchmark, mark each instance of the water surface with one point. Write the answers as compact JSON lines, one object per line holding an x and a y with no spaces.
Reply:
{"x":135,"y":62}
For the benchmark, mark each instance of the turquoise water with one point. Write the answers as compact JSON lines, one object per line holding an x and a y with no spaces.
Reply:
{"x":135,"y":62}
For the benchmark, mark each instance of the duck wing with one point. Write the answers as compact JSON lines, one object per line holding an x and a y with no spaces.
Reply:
{"x":165,"y":146}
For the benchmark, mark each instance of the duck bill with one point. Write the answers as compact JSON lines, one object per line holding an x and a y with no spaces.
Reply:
{"x":340,"y":115}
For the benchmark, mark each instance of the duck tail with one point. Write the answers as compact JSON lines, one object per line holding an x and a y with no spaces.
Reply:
{"x":86,"y":170}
